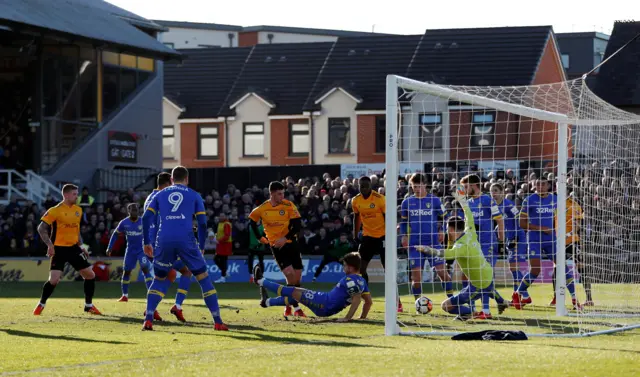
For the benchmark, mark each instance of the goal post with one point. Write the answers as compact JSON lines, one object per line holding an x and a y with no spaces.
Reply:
{"x":509,"y":136}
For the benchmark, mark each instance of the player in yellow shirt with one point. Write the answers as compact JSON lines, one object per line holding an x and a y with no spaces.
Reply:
{"x":573,"y":218}
{"x":62,"y":224}
{"x":368,"y":211}
{"x":282,"y":223}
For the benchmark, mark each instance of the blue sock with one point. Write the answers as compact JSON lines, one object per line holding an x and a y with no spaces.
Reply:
{"x":124,"y":283}
{"x":526,"y":282}
{"x":448,"y":288}
{"x":465,"y":283}
{"x":517,"y":278}
{"x":183,"y":288}
{"x":461,"y":310}
{"x":154,"y":296}
{"x":278,"y":289}
{"x":277,"y":301}
{"x":148,"y":279}
{"x":485,"y":303}
{"x":497,"y":297}
{"x":416,"y":290}
{"x":210,"y":298}
{"x":571,"y":286}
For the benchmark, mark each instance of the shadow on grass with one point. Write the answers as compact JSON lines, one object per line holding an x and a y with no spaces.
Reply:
{"x":27,"y":334}
{"x":537,"y":345}
{"x":237,"y":333}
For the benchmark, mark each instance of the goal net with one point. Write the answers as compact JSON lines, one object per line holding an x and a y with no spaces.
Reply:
{"x":545,"y":155}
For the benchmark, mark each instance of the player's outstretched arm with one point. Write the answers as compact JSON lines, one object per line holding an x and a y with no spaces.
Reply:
{"x":368,"y":302}
{"x":355,"y":303}
{"x":256,"y":232}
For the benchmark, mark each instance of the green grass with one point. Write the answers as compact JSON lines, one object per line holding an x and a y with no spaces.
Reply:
{"x":65,"y":341}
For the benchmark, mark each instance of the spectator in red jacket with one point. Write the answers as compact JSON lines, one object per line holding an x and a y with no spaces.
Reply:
{"x":225,"y":246}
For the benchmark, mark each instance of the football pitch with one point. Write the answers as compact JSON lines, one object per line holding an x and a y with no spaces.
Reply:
{"x":65,"y":341}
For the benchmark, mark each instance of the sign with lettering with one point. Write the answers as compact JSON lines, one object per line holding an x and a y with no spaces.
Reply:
{"x":122,"y":147}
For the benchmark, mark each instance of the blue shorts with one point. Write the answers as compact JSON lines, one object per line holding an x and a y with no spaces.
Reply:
{"x":539,"y":248}
{"x":317,"y":302}
{"x":518,"y":253}
{"x":470,"y":294}
{"x":178,"y":265}
{"x":132,"y":257}
{"x":489,"y":255}
{"x":417,"y":258}
{"x":166,"y":254}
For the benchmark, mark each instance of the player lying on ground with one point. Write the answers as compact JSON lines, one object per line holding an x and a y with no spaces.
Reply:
{"x":177,"y":205}
{"x":468,"y":252}
{"x":164,"y":181}
{"x":347,"y":293}
{"x":67,"y":248}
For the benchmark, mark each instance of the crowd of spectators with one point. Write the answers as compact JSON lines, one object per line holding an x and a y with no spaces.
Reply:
{"x":610,"y":196}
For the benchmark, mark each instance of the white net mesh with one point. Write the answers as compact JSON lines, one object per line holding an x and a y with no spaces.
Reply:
{"x":509,"y":136}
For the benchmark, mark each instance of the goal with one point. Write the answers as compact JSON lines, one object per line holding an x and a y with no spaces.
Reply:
{"x":589,"y":153}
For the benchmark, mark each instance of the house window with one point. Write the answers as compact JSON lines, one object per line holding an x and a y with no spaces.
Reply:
{"x":168,"y":143}
{"x":339,"y":135}
{"x":483,"y":130}
{"x":565,"y":61}
{"x":381,"y":134}
{"x":299,"y":139}
{"x":430,"y":130}
{"x":208,"y":143}
{"x":253,"y":139}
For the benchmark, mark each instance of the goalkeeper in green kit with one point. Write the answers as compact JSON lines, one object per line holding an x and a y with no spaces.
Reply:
{"x":468,"y":252}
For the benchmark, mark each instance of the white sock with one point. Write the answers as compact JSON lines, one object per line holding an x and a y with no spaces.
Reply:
{"x":486,"y":311}
{"x":260,"y":281}
{"x":296,"y":308}
{"x":43,"y":305}
{"x":88,"y":305}
{"x":125,"y":295}
{"x":179,"y":307}
{"x":267,"y":302}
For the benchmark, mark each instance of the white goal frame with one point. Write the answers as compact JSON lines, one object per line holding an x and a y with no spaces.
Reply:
{"x":394,"y":83}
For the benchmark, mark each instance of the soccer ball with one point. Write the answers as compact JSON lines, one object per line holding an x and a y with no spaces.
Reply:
{"x":424,"y":305}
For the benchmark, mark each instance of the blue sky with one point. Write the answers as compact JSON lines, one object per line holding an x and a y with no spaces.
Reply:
{"x":402,"y":17}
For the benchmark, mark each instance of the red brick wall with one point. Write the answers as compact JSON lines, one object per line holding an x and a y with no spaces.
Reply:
{"x":246,"y":39}
{"x":367,"y":140}
{"x":189,"y":147}
{"x":505,"y":137}
{"x":280,"y":143}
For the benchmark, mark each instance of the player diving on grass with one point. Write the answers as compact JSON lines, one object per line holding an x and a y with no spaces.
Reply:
{"x":537,"y":216}
{"x":176,"y":206}
{"x":467,"y":251}
{"x":422,"y":218}
{"x":516,"y":239}
{"x":349,"y":292}
{"x":487,"y":218}
{"x":164,"y":181}
{"x":131,"y":227}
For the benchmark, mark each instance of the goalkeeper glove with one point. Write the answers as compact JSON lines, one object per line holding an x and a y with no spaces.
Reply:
{"x":460,"y":195}
{"x":501,"y":250}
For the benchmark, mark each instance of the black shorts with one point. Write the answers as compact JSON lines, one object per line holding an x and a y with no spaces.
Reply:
{"x":288,"y":255}
{"x":572,"y":251}
{"x":370,"y":247}
{"x":69,"y":254}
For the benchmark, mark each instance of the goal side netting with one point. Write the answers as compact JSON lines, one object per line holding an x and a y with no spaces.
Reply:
{"x":553,"y":183}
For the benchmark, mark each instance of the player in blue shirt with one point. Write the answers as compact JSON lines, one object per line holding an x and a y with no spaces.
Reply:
{"x":164,"y":181}
{"x":487,"y":217}
{"x":176,"y":206}
{"x":422,"y":221}
{"x":537,"y":217}
{"x":131,"y":227}
{"x":348,"y":292}
{"x":516,"y":241}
